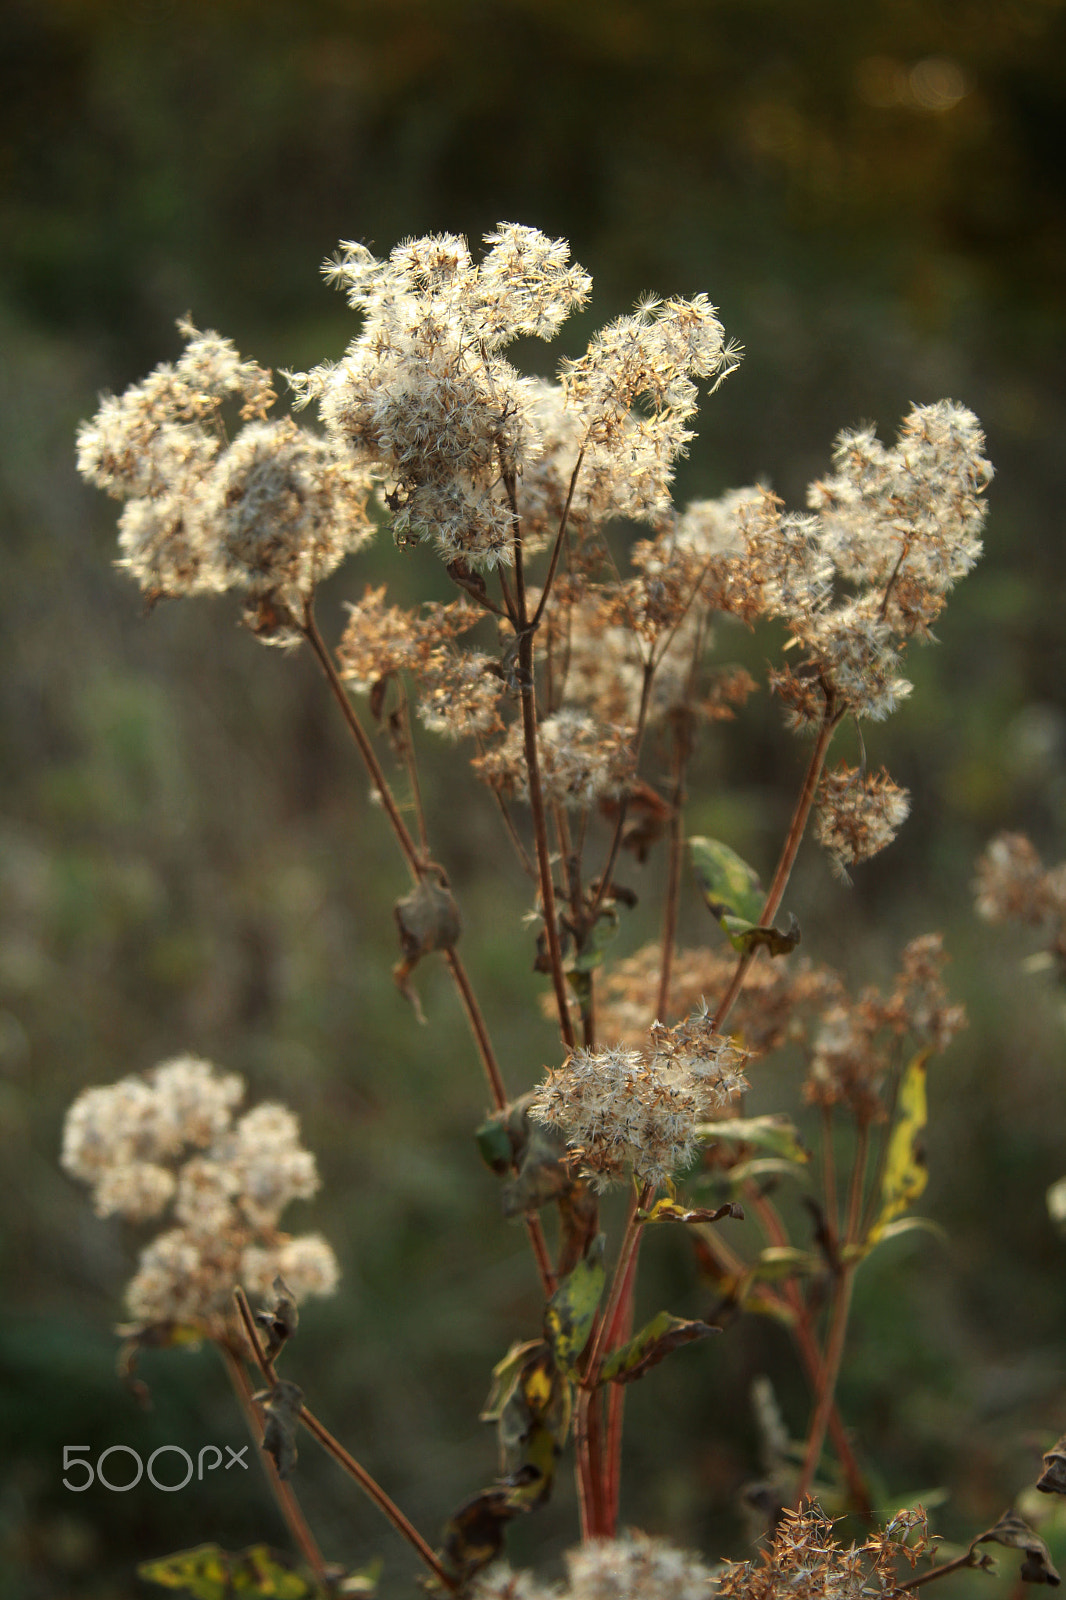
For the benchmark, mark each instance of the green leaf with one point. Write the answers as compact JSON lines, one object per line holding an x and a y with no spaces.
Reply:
{"x":211,"y":1573}
{"x":571,"y":1311}
{"x":494,"y":1143}
{"x":729,"y":886}
{"x":905,"y":1170}
{"x":651,"y":1345}
{"x":774,"y":1133}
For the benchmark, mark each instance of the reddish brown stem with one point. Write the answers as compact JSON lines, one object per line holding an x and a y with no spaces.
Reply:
{"x":809,"y":1354}
{"x":540,"y":832}
{"x":787,"y":858}
{"x":366,"y":749}
{"x":838,"y":1326}
{"x":671,"y":903}
{"x":592,"y":1468}
{"x":287,"y":1502}
{"x":369,"y":1485}
{"x":557,"y":548}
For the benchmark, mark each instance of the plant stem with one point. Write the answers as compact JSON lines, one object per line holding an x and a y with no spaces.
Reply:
{"x":366,"y":749}
{"x":838,"y":1325}
{"x":595,"y":1472}
{"x":809,"y":1353}
{"x":616,"y":839}
{"x":556,"y":549}
{"x":417,"y":864}
{"x":787,"y":858}
{"x":369,"y":1485}
{"x":527,"y":692}
{"x":969,"y":1559}
{"x":671,"y":903}
{"x":287,"y":1502}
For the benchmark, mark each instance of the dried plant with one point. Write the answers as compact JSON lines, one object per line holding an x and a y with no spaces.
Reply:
{"x":556,"y":658}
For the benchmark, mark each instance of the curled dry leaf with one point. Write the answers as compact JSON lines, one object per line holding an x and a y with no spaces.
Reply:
{"x":282,"y":1406}
{"x":428,"y":919}
{"x":1053,"y":1478}
{"x":1014,"y":1532}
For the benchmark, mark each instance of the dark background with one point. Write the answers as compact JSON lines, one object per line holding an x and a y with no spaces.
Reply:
{"x":873,"y":195}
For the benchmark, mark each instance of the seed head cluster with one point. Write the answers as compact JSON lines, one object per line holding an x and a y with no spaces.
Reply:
{"x":631,"y":1567}
{"x":638,"y":1110}
{"x":805,"y":1561}
{"x":858,"y":814}
{"x":269,"y":514}
{"x":169,"y":1139}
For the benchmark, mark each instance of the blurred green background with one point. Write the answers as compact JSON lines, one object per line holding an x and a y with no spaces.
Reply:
{"x":874,"y":196}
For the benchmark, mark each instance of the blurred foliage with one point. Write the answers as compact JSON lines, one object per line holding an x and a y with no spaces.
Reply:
{"x":874,"y":196}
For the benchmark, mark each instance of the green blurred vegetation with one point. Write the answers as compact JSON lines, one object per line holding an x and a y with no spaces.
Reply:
{"x":874,"y":197}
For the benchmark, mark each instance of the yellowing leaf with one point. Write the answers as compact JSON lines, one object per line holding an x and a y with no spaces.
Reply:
{"x":774,"y":1133}
{"x":905,"y":1174}
{"x":211,"y":1573}
{"x":672,"y":1211}
{"x":571,"y":1311}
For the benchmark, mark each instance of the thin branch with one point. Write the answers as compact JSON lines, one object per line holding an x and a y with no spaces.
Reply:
{"x":557,"y":548}
{"x":672,"y":900}
{"x":623,"y":806}
{"x":369,"y":1485}
{"x":969,"y":1558}
{"x":412,"y":771}
{"x":283,"y":1492}
{"x":787,"y":858}
{"x":366,"y":749}
{"x":838,"y":1325}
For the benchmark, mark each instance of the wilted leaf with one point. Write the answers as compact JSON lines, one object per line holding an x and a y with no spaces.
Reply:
{"x":774,"y":1133}
{"x":647,"y":817}
{"x":282,"y":1405}
{"x":543,"y":1175}
{"x":651,"y":1345}
{"x":746,"y":936}
{"x":906,"y":1173}
{"x":671,"y":1211}
{"x":1014,"y":1532}
{"x":281,"y":1321}
{"x":571,"y":1311}
{"x":579,"y":1222}
{"x":1053,"y":1478}
{"x":474,"y":1535}
{"x":505,"y":1376}
{"x":211,"y":1573}
{"x":428,"y":919}
{"x":729,"y":886}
